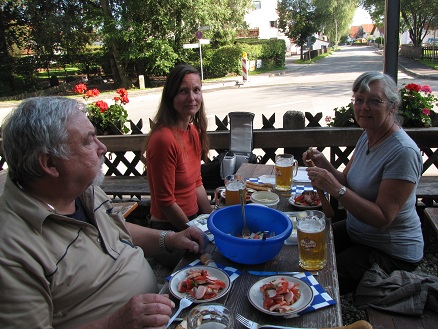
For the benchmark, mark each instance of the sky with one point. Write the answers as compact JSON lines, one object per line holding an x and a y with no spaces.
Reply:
{"x":361,"y":16}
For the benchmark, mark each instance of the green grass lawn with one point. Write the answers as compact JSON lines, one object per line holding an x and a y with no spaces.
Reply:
{"x":59,"y":72}
{"x":433,"y":65}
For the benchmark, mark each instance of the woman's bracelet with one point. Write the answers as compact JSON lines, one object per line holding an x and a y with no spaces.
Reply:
{"x":161,"y":241}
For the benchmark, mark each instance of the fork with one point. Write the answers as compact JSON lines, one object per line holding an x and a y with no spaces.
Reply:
{"x":183,"y":303}
{"x":254,"y":325}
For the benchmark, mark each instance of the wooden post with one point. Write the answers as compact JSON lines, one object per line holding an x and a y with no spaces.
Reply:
{"x":294,"y":120}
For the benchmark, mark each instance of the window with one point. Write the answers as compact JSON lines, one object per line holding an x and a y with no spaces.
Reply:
{"x":257,"y":4}
{"x":273,"y":24}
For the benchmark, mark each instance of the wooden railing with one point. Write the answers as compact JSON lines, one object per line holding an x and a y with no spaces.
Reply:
{"x":124,"y":151}
{"x":340,"y":141}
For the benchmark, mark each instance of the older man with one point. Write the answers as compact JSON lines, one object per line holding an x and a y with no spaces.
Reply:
{"x":66,"y":261}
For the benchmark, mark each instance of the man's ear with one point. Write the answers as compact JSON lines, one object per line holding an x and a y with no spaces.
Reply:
{"x":48,"y":165}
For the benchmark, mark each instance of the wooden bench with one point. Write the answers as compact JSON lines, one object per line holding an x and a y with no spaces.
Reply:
{"x":427,"y":190}
{"x":429,"y":319}
{"x":122,"y":187}
{"x":388,"y":320}
{"x":432,"y":215}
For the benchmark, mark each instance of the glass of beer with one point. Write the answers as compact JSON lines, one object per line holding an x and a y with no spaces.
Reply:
{"x":312,"y":240}
{"x":233,"y":184}
{"x":285,"y":168}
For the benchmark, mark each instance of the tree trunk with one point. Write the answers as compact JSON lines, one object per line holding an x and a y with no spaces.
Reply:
{"x":119,"y":74}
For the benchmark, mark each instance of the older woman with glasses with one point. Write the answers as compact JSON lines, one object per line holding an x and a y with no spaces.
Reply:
{"x":377,"y":187}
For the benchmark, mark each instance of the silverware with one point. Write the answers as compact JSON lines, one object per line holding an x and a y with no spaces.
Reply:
{"x":183,"y":303}
{"x":254,"y":325}
{"x":267,"y":273}
{"x":245,"y":229}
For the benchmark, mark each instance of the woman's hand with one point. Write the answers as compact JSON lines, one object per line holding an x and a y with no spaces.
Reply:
{"x":317,"y":157}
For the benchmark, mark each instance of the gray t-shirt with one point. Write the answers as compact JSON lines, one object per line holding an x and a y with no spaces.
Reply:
{"x":398,"y":157}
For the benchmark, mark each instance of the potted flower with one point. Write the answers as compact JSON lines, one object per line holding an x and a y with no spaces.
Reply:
{"x":417,"y":104}
{"x":108,"y":119}
{"x":416,"y":107}
{"x":344,"y":117}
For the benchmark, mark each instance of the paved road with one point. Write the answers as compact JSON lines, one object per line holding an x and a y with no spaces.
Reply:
{"x":318,"y":87}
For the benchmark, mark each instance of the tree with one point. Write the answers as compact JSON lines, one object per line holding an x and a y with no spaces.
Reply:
{"x":152,"y":33}
{"x":336,"y":17}
{"x":299,"y":20}
{"x":13,"y":33}
{"x":417,"y":16}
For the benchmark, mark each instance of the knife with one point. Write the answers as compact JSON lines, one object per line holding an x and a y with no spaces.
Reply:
{"x":267,"y":273}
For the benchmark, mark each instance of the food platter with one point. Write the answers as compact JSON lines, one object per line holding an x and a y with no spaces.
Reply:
{"x":301,"y":205}
{"x":214,"y":272}
{"x":255,"y":295}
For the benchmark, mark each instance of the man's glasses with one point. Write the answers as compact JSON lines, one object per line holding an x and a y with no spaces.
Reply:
{"x":373,"y":102}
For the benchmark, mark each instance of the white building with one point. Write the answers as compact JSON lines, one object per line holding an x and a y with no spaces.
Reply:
{"x":264,"y":18}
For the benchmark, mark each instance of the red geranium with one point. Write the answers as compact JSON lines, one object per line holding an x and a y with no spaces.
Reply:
{"x":100,"y":114}
{"x":417,"y":104}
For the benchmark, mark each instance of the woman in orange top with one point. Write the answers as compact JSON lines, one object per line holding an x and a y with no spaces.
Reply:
{"x":174,"y":149}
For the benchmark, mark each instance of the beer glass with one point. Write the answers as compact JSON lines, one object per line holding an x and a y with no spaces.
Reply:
{"x":286,"y":167}
{"x":312,"y":240}
{"x":233,"y":184}
{"x":212,"y":315}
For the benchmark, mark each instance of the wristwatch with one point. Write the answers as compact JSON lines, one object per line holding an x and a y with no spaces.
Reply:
{"x":342,"y":191}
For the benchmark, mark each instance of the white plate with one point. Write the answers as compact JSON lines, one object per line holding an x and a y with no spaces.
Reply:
{"x":256,"y":297}
{"x":300,"y":206}
{"x":214,"y":271}
{"x":267,"y":179}
{"x":301,"y":176}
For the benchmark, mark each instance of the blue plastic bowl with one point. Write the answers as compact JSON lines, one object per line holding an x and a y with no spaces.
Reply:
{"x":226,"y":226}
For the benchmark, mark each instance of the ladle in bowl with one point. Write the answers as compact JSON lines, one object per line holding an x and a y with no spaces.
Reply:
{"x":245,"y":230}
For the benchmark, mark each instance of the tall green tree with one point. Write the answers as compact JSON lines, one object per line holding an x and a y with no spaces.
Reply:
{"x":13,"y":34}
{"x":58,"y":27}
{"x":417,"y":16}
{"x":152,"y":33}
{"x":299,"y":20}
{"x":336,"y":17}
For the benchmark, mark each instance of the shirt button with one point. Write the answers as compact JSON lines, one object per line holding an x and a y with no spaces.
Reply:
{"x":99,"y":240}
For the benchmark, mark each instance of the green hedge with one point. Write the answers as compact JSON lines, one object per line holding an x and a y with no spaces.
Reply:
{"x":227,"y":60}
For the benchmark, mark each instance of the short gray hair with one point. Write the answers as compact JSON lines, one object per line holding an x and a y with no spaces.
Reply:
{"x":37,"y":125}
{"x":362,"y":83}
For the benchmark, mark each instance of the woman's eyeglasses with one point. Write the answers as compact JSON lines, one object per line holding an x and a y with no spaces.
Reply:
{"x":373,"y":102}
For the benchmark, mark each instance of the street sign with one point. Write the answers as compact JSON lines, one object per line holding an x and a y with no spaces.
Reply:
{"x":198,"y":45}
{"x":204,"y":28}
{"x":190,"y":45}
{"x":199,"y":35}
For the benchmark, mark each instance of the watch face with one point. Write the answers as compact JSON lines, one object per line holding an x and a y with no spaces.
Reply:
{"x":342,"y":190}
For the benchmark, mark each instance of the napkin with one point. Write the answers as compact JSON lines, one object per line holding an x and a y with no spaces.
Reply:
{"x":201,"y":223}
{"x":232,"y":272}
{"x":301,"y":176}
{"x":299,"y":189}
{"x":296,"y":189}
{"x":320,"y":297}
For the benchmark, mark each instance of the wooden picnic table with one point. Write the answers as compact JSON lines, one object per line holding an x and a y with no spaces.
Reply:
{"x":287,"y":260}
